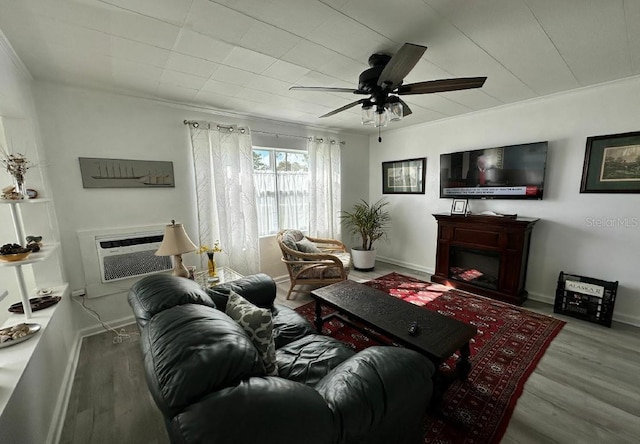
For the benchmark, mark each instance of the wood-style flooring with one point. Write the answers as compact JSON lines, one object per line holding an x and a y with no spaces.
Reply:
{"x":586,"y":388}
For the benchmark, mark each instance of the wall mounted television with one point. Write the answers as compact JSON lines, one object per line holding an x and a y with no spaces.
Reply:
{"x":507,"y":172}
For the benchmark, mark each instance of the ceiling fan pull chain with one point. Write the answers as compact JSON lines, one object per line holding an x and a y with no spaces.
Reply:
{"x":379,"y":138}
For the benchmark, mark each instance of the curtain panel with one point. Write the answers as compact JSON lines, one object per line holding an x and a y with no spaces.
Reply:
{"x":225,"y":194}
{"x":325,"y":188}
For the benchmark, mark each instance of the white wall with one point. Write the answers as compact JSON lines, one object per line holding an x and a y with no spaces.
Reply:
{"x":32,"y":412}
{"x":565,"y":238}
{"x":87,"y":123}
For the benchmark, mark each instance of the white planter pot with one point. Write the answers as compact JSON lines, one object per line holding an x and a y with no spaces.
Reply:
{"x":363,"y":260}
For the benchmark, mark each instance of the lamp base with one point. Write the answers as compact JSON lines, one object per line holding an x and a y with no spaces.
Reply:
{"x":178,"y":267}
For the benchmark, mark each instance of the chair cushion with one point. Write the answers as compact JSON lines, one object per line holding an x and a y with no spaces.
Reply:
{"x":308,"y":359}
{"x":258,"y":324}
{"x":306,"y":246}
{"x":289,"y":239}
{"x":322,"y":272}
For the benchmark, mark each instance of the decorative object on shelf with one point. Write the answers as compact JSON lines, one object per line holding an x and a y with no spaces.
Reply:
{"x":123,"y":173}
{"x":17,"y":165}
{"x":175,"y":243}
{"x":459,"y":206}
{"x":211,"y":263}
{"x":585,"y":298}
{"x":404,"y":176}
{"x":36,"y":304}
{"x":370,"y":222}
{"x":34,"y":243}
{"x":13,"y":252}
{"x":612,"y":164}
{"x":14,"y":257}
{"x":16,"y":334}
{"x":32,"y":193}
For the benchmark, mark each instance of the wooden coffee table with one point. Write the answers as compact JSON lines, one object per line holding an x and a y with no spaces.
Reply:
{"x":438,"y":336}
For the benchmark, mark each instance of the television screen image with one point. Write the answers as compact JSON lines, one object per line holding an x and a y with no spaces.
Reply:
{"x":507,"y":172}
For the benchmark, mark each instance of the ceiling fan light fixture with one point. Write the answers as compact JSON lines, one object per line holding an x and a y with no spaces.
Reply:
{"x":381,"y":117}
{"x":394,"y":109}
{"x":367,"y":113}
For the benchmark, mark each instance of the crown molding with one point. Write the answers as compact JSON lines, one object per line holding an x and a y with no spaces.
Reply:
{"x":8,"y":48}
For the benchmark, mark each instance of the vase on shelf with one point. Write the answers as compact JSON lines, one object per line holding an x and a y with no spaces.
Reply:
{"x":213,"y":272}
{"x":19,"y":187}
{"x":17,"y":165}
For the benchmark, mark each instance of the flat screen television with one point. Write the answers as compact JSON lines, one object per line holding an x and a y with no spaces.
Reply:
{"x":506,"y":172}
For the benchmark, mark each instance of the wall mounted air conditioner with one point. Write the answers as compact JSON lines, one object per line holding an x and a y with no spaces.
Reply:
{"x":131,"y":255}
{"x":114,"y":258}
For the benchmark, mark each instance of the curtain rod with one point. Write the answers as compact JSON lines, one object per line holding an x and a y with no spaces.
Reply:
{"x":195,"y":124}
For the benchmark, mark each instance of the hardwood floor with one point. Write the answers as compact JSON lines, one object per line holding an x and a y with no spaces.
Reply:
{"x":586,"y":388}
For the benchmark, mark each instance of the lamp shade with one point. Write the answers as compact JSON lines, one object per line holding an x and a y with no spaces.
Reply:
{"x":175,"y":241}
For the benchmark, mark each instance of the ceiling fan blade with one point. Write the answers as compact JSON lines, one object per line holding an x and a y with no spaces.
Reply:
{"x":343,"y":108}
{"x":326,"y":89}
{"x":405,"y":108}
{"x":437,"y":86}
{"x":400,"y":65}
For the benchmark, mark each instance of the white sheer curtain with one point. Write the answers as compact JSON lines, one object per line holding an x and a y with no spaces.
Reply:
{"x":223,"y":165}
{"x":325,"y":202}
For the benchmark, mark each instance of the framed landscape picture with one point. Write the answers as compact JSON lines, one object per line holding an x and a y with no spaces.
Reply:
{"x":404,"y":176}
{"x":612,"y":164}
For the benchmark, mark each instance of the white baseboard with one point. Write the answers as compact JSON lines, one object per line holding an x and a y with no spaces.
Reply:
{"x":550,"y":300}
{"x":117,"y":323}
{"x":281,"y":279}
{"x":410,"y":265}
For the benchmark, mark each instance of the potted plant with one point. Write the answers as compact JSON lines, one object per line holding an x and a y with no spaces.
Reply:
{"x":370,"y":222}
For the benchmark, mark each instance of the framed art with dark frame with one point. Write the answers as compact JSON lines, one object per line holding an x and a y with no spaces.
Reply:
{"x":459,"y":206}
{"x":404,"y":176}
{"x":612,"y":164}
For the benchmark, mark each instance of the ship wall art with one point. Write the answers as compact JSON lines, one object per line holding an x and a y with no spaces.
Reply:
{"x":124,"y":173}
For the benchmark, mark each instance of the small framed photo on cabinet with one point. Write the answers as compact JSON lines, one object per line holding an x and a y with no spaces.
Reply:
{"x":459,"y":206}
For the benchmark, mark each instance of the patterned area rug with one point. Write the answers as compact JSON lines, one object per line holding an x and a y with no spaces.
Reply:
{"x":509,"y":344}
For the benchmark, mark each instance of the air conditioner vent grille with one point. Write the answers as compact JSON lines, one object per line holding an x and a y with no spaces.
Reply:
{"x":140,"y":263}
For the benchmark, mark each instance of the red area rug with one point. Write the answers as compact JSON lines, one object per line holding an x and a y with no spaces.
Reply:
{"x":509,"y":344}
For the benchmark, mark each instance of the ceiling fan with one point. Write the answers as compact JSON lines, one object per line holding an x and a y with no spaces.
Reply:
{"x":382,"y":82}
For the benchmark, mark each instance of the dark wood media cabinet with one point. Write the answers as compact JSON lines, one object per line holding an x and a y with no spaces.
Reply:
{"x":486,"y":255}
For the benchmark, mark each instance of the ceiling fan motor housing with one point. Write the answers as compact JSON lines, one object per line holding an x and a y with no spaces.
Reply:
{"x":368,"y":80}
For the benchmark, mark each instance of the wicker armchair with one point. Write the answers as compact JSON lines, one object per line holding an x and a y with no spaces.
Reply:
{"x":313,"y":261}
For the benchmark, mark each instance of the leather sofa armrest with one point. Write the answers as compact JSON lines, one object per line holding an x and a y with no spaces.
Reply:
{"x":380,"y":395}
{"x":259,"y":289}
{"x":257,"y":410}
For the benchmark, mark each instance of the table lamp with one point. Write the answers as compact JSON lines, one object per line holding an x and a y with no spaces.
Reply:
{"x":174,"y":243}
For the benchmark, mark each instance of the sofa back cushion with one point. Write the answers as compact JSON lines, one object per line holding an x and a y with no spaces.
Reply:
{"x":158,"y":292}
{"x":193,"y":350}
{"x":259,"y":289}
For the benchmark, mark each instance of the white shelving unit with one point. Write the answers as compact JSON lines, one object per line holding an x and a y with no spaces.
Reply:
{"x":42,"y":255}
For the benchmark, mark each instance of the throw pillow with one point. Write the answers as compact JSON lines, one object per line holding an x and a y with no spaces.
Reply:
{"x":258,"y":324}
{"x":306,"y":246}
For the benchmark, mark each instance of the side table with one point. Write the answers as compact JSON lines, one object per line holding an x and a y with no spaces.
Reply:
{"x":224,"y":274}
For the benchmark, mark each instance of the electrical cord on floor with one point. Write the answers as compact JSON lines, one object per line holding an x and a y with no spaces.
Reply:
{"x":119,"y":336}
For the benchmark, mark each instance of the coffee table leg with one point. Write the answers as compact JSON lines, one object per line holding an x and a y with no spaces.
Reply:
{"x":319,"y":321}
{"x":464,"y":365}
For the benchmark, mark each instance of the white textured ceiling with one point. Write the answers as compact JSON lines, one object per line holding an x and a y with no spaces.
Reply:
{"x":243,"y":55}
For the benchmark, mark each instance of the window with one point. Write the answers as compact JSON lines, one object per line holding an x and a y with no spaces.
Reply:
{"x":282,"y":189}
